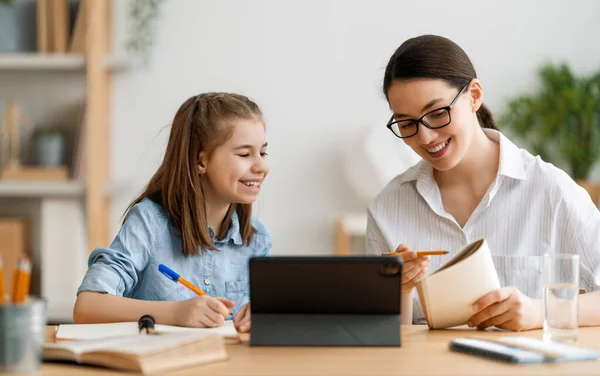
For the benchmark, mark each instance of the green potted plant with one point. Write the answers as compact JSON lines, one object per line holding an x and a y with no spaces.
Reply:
{"x":561,"y":121}
{"x":143,"y":16}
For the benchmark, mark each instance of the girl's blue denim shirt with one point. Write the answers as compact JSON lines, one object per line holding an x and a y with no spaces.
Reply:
{"x":129,"y":267}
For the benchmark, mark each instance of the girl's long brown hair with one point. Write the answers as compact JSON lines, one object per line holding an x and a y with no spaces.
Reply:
{"x":202,"y":123}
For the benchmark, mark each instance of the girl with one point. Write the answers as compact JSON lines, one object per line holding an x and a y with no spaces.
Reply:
{"x":195,"y":217}
{"x":473,"y":182}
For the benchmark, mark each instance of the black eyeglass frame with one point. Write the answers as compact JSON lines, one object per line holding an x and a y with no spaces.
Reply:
{"x":420,"y":120}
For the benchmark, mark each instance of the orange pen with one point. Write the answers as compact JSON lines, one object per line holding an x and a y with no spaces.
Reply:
{"x":423,"y":253}
{"x":2,"y":288}
{"x":177,"y":278}
{"x":21,"y":280}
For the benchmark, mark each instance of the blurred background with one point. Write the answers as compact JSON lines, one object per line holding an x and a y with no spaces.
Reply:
{"x":88,"y":89}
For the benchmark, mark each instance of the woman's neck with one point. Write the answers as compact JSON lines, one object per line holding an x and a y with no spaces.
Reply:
{"x":478,"y":168}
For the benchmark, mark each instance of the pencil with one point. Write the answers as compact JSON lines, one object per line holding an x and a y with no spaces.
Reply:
{"x":423,"y":253}
{"x":21,"y":280}
{"x":2,"y":288}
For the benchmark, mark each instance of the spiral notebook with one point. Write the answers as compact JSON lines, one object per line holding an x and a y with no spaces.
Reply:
{"x":522,"y":350}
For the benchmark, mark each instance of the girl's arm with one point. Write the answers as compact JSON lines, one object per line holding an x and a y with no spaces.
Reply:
{"x":198,"y":312}
{"x":95,"y":307}
{"x":406,"y":309}
{"x":114,"y":271}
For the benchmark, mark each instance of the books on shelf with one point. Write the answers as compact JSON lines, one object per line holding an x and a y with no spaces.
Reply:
{"x":61,"y":25}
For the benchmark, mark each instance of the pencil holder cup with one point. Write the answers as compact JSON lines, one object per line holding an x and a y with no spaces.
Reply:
{"x":22,"y":334}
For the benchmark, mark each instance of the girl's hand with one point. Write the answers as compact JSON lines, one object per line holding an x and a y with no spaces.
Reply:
{"x":507,"y":308}
{"x":414,"y":268}
{"x":202,"y":311}
{"x":241,"y":321}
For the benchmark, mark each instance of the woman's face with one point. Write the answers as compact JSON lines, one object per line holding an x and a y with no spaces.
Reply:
{"x":445,"y":147}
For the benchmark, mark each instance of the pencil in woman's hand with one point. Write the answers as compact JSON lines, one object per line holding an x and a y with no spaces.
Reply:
{"x":423,"y":253}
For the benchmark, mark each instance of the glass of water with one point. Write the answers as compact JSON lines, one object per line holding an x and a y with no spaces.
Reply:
{"x":561,"y":297}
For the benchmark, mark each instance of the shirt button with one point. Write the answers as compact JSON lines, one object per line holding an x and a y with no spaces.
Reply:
{"x":207,"y":281}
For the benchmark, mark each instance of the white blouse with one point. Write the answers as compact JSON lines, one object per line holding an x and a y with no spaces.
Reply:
{"x":531,"y":208}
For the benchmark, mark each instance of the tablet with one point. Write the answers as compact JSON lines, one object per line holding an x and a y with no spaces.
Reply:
{"x":325,"y":300}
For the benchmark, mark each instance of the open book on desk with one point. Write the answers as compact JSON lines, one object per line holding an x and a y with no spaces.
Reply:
{"x":70,"y":332}
{"x":142,"y":352}
{"x":447,"y":294}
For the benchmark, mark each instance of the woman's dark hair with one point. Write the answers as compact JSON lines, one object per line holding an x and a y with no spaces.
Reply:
{"x":432,"y":56}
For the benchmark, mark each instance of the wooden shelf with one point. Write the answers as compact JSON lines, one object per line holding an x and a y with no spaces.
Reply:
{"x":41,"y":189}
{"x":55,"y":62}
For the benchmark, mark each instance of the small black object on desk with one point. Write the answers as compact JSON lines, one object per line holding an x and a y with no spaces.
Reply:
{"x":147,"y":322}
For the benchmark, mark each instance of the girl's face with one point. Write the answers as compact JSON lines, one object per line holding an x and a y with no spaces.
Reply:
{"x":445,"y":147}
{"x":236,"y":169}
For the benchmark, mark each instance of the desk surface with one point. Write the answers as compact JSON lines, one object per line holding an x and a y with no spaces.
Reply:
{"x":423,"y":352}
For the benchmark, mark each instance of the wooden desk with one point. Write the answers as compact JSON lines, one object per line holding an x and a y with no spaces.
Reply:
{"x":423,"y":352}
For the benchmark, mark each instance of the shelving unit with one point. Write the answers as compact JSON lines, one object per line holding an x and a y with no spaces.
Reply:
{"x":56,"y":62}
{"x":47,"y":189}
{"x":70,"y":218}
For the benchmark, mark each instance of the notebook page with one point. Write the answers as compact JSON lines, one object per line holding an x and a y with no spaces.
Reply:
{"x":226,"y":330}
{"x":121,"y":329}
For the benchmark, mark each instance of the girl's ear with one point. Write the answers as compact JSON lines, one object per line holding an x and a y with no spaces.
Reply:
{"x":202,"y":159}
{"x":475,"y":94}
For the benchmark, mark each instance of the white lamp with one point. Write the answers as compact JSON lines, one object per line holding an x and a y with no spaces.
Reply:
{"x":370,"y":163}
{"x":374,"y":159}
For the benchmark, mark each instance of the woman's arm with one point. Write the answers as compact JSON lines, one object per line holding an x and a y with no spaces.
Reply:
{"x":95,"y":307}
{"x":589,"y":309}
{"x":580,"y":234}
{"x":406,"y":309}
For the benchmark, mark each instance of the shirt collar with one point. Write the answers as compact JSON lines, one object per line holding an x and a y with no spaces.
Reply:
{"x":511,"y":162}
{"x":232,"y":234}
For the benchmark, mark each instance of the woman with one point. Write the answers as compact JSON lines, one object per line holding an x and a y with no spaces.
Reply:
{"x":473,"y":182}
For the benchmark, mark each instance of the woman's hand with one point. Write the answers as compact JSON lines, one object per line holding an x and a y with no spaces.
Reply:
{"x":414,"y":268}
{"x":241,"y":321}
{"x":507,"y":308}
{"x":202,"y":311}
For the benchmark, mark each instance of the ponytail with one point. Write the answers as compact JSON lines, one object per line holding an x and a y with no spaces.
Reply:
{"x":485,"y":118}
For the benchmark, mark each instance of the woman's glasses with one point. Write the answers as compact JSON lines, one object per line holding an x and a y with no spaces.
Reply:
{"x":435,"y":119}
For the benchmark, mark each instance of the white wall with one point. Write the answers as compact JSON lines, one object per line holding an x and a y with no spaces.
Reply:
{"x":316,"y":67}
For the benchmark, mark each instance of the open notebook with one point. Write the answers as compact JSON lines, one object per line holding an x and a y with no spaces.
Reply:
{"x":70,"y":332}
{"x":448,"y":293}
{"x":141,"y":352}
